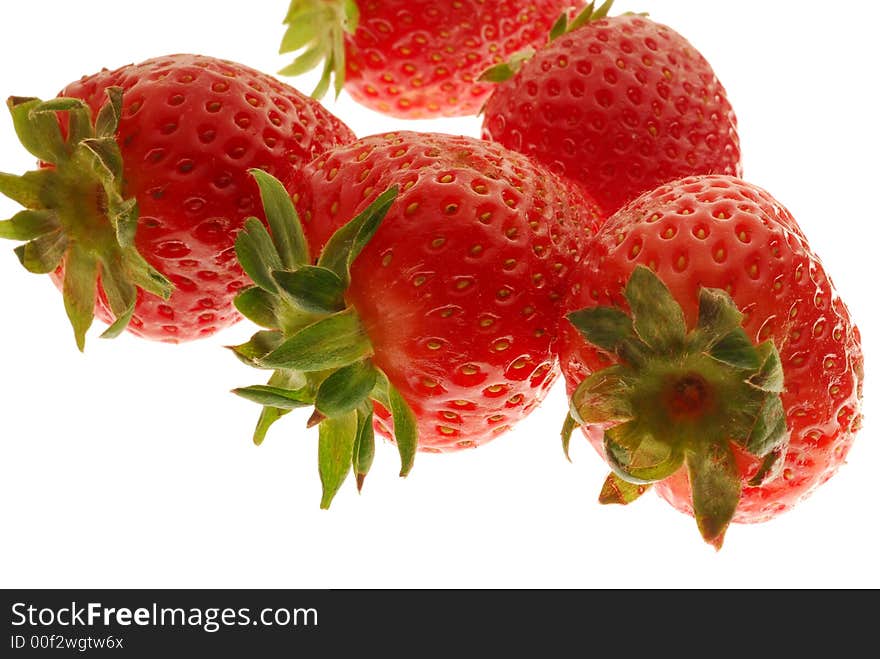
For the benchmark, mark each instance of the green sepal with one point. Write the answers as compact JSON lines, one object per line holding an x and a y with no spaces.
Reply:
{"x":345,"y":389}
{"x":348,"y":241}
{"x":287,"y":232}
{"x":657,"y":318}
{"x":590,"y":13}
{"x":122,"y":213}
{"x":323,"y":85}
{"x":312,"y":288}
{"x":257,"y":254}
{"x":768,"y":464}
{"x":80,"y":290}
{"x":268,"y":416}
{"x":301,"y":8}
{"x":770,"y":431}
{"x":317,"y":29}
{"x":281,"y":380}
{"x":305,"y":62}
{"x":300,"y":32}
{"x":336,"y":439}
{"x":60,"y":104}
{"x":257,"y":305}
{"x":364,"y":445}
{"x":736,"y":350}
{"x":121,"y":294}
{"x":284,"y":399}
{"x":406,"y":432}
{"x":107,"y":156}
{"x":331,"y":342}
{"x":79,"y":124}
{"x":606,"y":327}
{"x":118,"y":326}
{"x":144,"y":276}
{"x":28,"y":225}
{"x":337,"y":63}
{"x":29,"y":188}
{"x":718,"y":316}
{"x":769,"y":376}
{"x":124,"y":216}
{"x":615,"y":490}
{"x":638,"y":456}
{"x":351,"y":15}
{"x":506,"y":70}
{"x":716,"y":487}
{"x":603,"y":397}
{"x":560,"y":27}
{"x":43,"y":254}
{"x":39,"y":132}
{"x":260,"y":344}
{"x":568,"y":428}
{"x":107,"y":121}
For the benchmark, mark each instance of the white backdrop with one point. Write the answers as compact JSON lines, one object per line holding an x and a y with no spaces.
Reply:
{"x":131,"y":465}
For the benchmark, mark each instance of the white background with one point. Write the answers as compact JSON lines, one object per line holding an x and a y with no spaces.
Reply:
{"x":132,"y":466}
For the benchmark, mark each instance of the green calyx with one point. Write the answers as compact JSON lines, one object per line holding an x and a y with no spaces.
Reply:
{"x":77,"y":216}
{"x":563,"y":25}
{"x":678,"y":398}
{"x":588,"y":14}
{"x":506,"y":70}
{"x":316,"y":29}
{"x":313,"y":341}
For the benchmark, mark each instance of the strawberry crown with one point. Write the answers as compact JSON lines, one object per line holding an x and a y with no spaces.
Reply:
{"x":317,"y":29}
{"x":563,"y":25}
{"x":77,"y":216}
{"x":679,"y":398}
{"x":313,"y":340}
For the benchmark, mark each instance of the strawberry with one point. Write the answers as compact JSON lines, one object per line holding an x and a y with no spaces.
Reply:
{"x":446,"y":318}
{"x":413,"y":59}
{"x":709,"y":353}
{"x":144,"y":187}
{"x":620,"y":105}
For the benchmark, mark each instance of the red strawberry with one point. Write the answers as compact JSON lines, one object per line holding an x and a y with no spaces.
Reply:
{"x":414,"y":59}
{"x":455,"y":301}
{"x":620,"y":105}
{"x":167,"y":158}
{"x":755,"y":388}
